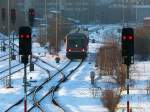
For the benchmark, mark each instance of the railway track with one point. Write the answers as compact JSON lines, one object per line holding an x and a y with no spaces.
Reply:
{"x":17,"y":65}
{"x":4,"y":57}
{"x":52,"y":89}
{"x":62,"y":81}
{"x":12,"y":73}
{"x":37,"y":102}
{"x":39,"y":87}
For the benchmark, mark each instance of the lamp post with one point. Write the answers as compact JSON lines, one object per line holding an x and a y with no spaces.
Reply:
{"x":123,"y":6}
{"x":46,"y":20}
{"x":8,"y":31}
{"x":136,"y":12}
{"x":56,"y":28}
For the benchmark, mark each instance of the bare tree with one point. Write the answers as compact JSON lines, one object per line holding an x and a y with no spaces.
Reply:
{"x":109,"y":58}
{"x":110,"y":99}
{"x":63,"y":27}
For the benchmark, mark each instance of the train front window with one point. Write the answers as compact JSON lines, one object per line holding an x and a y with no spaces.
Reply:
{"x":75,"y":43}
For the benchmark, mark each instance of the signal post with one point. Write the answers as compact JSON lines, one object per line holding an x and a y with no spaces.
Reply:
{"x":25,"y":51}
{"x":31,"y":16}
{"x":128,"y":54}
{"x":13,"y":21}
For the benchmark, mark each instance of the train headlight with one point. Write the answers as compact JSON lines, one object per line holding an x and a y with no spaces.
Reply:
{"x":69,"y":50}
{"x":83,"y":50}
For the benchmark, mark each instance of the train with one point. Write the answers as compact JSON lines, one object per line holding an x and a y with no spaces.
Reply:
{"x":77,"y":44}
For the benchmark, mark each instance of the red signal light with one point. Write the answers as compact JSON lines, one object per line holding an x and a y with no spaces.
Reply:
{"x":33,"y":13}
{"x":27,"y":36}
{"x":21,"y":36}
{"x":83,"y":50}
{"x":69,"y":50}
{"x":13,"y":13}
{"x":130,"y":38}
{"x":124,"y":38}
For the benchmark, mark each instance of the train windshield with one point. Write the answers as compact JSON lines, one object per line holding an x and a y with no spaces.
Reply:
{"x":76,"y":43}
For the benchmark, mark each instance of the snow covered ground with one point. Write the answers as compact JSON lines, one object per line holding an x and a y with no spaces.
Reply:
{"x":76,"y":94}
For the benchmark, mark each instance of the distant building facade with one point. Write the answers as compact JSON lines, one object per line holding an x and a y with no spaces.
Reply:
{"x":91,"y":11}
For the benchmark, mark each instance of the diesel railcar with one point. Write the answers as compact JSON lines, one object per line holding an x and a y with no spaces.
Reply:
{"x":77,"y":44}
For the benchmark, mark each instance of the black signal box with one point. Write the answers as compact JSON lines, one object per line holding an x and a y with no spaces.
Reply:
{"x":3,"y":14}
{"x":127,"y":45}
{"x":31,"y":16}
{"x":25,"y":45}
{"x":127,"y":42}
{"x":13,"y":16}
